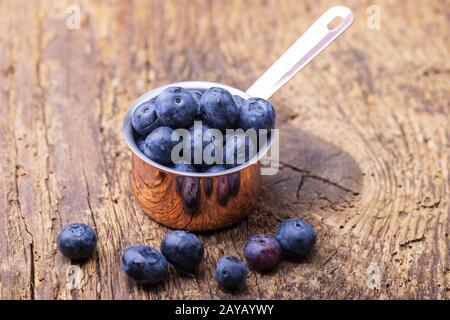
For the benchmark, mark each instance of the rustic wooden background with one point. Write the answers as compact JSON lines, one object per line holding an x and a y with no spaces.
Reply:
{"x":365,"y":143}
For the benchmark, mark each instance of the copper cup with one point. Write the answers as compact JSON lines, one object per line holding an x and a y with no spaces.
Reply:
{"x":192,"y":201}
{"x":201,"y":201}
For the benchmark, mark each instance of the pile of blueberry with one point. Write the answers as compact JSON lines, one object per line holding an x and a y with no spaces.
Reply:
{"x":155,"y":123}
{"x":294,"y":238}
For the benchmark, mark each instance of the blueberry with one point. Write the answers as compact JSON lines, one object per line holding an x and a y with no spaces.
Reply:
{"x":219,"y":109}
{"x":143,"y":117}
{"x":239,"y":148}
{"x":140,"y":143}
{"x":176,"y":107}
{"x":262,"y":252}
{"x":144,"y":264}
{"x":77,"y":241}
{"x":202,"y":137}
{"x":296,"y":237}
{"x":258,"y":114}
{"x":231,"y":273}
{"x":197,"y":95}
{"x":183,"y":249}
{"x":238,"y":100}
{"x":158,"y":145}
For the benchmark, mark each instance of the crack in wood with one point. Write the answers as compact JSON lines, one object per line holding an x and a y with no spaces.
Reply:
{"x":307,"y":174}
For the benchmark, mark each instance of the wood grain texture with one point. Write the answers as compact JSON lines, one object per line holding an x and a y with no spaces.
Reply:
{"x":365,"y":143}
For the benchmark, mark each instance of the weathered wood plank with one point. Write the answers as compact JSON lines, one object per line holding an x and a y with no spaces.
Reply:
{"x":365,"y":143}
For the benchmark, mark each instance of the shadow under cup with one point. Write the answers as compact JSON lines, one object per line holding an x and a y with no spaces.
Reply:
{"x":192,"y":201}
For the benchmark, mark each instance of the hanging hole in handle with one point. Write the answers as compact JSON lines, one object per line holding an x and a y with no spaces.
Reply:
{"x":333,"y":24}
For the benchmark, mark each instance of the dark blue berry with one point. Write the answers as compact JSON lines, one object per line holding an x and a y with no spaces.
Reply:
{"x":176,"y":107}
{"x":140,"y":143}
{"x":239,"y":148}
{"x":219,"y":109}
{"x":144,"y":264}
{"x":258,"y":114}
{"x":296,"y":237}
{"x":238,"y":100}
{"x":183,"y":249}
{"x":143,"y":117}
{"x":158,"y":145}
{"x":77,"y":241}
{"x":203,"y":137}
{"x":197,"y":94}
{"x":262,"y":252}
{"x":231,"y":273}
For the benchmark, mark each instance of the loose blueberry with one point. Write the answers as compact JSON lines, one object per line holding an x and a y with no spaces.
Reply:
{"x":239,"y":148}
{"x":144,"y":264}
{"x":258,"y":114}
{"x":231,"y":273}
{"x":176,"y":107}
{"x":262,"y":252}
{"x":143,"y":117}
{"x":219,"y":109}
{"x":77,"y":241}
{"x":158,"y":145}
{"x":183,"y":249}
{"x":296,"y":237}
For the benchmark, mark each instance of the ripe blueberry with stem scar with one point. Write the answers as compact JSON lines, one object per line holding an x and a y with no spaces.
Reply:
{"x":143,"y":117}
{"x":176,"y":107}
{"x":158,"y":145}
{"x":296,"y":237}
{"x":144,"y":264}
{"x":183,"y":249}
{"x":219,"y":109}
{"x":77,"y":241}
{"x":262,"y":252}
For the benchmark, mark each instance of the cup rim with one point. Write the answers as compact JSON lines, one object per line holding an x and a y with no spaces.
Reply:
{"x":127,"y":129}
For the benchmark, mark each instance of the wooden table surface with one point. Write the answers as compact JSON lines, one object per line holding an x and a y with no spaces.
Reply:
{"x":365,"y":143}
